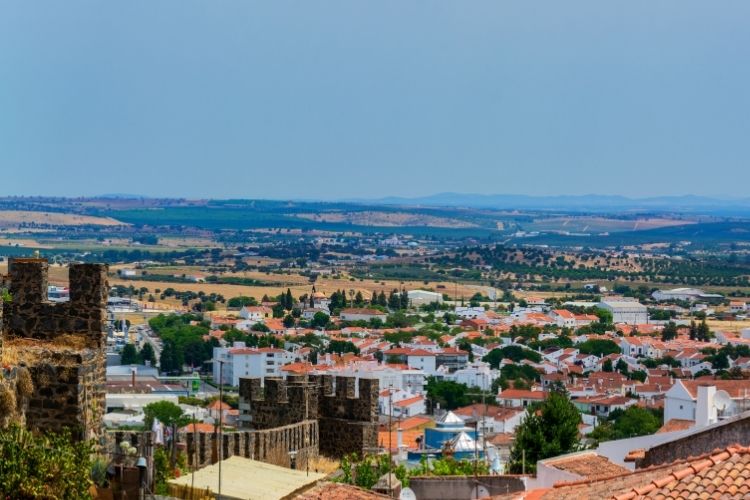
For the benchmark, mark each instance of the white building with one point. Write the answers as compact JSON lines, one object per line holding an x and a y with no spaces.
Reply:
{"x":420,"y":297}
{"x":362,"y":315}
{"x":410,"y":380}
{"x":400,"y":403}
{"x":58,"y":294}
{"x":687,"y":294}
{"x":255,"y":314}
{"x":706,"y":402}
{"x":631,"y":312}
{"x":470,"y":312}
{"x":477,"y":374}
{"x":248,"y":362}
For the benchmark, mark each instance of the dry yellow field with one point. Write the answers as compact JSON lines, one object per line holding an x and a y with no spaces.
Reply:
{"x":14,"y":217}
{"x":728,"y":326}
{"x":299,"y":286}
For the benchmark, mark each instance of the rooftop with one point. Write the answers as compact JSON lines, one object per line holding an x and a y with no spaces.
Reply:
{"x":587,"y":465}
{"x":245,"y":478}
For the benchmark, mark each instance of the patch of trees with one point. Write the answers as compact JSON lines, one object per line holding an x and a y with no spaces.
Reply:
{"x":512,"y":352}
{"x":549,"y":429}
{"x":599,"y":347}
{"x":631,"y":422}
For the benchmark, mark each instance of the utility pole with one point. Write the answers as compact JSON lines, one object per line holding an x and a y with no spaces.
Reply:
{"x":390,"y":435}
{"x":476,"y":441}
{"x":221,"y":437}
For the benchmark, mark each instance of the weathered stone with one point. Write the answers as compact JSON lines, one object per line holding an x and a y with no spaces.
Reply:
{"x":68,"y":384}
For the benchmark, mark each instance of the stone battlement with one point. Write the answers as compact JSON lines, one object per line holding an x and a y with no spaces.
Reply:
{"x":30,"y":314}
{"x":61,"y":345}
{"x":346,"y":409}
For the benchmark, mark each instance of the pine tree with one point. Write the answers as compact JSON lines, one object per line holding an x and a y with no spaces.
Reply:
{"x":359,"y":300}
{"x":394,"y":301}
{"x":404,"y":300}
{"x":693,"y":330}
{"x":382,"y":300}
{"x":129,"y":355}
{"x":549,"y":429}
{"x":669,"y":332}
{"x":704,"y":332}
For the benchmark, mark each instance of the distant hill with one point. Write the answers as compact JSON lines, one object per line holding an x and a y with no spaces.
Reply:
{"x":592,"y":202}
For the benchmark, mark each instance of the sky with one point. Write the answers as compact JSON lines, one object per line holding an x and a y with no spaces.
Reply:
{"x":367,"y":99}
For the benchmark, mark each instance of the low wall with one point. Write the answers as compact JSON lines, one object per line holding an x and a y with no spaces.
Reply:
{"x":464,"y":487}
{"x":735,"y":430}
{"x":273,"y":446}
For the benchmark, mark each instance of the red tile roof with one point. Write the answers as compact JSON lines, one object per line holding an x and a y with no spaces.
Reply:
{"x":720,"y":474}
{"x":587,"y":465}
{"x":521,"y":394}
{"x":216,"y":405}
{"x":676,"y":424}
{"x":338,"y":491}
{"x":409,"y":401}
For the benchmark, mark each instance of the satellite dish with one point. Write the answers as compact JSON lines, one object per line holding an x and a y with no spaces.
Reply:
{"x":722,"y":401}
{"x":407,"y":494}
{"x":479,"y":491}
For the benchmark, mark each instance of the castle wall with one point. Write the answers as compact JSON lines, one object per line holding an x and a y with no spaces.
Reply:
{"x":273,"y":446}
{"x":68,"y":375}
{"x":68,"y":393}
{"x":347,"y":412}
{"x":31,"y":315}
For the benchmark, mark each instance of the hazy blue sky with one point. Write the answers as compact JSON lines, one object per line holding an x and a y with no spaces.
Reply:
{"x":331,"y":99}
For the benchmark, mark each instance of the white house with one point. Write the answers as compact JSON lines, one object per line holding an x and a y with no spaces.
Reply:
{"x":248,"y":362}
{"x":737,"y":306}
{"x":706,"y":402}
{"x":401,"y":403}
{"x":563,"y":318}
{"x":470,"y":312}
{"x":255,"y":314}
{"x":520,"y":398}
{"x":491,"y":418}
{"x":477,"y":374}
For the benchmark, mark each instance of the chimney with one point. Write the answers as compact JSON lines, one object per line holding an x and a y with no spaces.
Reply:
{"x":399,"y":438}
{"x":705,"y":410}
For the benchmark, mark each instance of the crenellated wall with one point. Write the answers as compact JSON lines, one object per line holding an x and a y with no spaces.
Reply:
{"x":30,"y":315}
{"x":274,"y":446}
{"x":346,"y":409}
{"x":61,"y":345}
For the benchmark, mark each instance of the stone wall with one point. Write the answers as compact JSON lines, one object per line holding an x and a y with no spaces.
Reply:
{"x":463,"y":487}
{"x":273,"y":446}
{"x":347,"y":415}
{"x":735,"y":430}
{"x":346,"y":411}
{"x":69,"y":392}
{"x":30,"y":315}
{"x":280,"y":402}
{"x":61,"y":345}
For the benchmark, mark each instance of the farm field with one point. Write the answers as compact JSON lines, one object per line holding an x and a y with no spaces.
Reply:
{"x":16,"y":217}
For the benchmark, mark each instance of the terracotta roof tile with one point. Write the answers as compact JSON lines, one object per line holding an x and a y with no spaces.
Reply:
{"x":720,"y":474}
{"x":337,"y":491}
{"x":587,"y":465}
